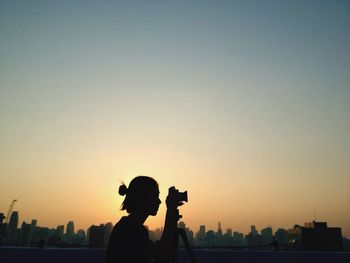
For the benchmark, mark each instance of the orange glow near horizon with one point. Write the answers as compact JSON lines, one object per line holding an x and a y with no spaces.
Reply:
{"x":245,"y":106}
{"x":235,"y":201}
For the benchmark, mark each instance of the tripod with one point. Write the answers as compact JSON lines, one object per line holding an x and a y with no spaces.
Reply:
{"x":181,"y":232}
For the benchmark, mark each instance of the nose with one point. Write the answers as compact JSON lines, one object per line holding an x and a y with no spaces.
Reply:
{"x":159,"y":202}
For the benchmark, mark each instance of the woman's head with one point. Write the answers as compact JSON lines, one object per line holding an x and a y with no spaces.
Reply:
{"x":141,"y":196}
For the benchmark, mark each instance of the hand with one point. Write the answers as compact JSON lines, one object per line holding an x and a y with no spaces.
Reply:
{"x":172,"y":200}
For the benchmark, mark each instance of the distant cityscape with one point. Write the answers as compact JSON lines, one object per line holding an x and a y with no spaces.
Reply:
{"x":311,"y":236}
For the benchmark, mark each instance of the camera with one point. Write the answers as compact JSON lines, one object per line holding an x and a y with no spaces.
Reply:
{"x":180,"y":196}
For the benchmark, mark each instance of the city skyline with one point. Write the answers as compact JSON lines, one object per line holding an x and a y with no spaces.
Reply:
{"x":312,"y":236}
{"x":73,"y":225}
{"x":244,"y":104}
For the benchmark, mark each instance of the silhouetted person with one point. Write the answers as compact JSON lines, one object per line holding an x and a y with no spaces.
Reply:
{"x":129,"y":241}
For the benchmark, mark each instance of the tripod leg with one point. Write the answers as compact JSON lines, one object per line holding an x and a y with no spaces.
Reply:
{"x":176,"y":246}
{"x":183,"y":235}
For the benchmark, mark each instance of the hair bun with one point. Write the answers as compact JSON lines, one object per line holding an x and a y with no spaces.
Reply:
{"x":123,"y":189}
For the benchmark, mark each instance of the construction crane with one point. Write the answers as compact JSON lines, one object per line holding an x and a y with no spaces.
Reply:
{"x":10,"y":210}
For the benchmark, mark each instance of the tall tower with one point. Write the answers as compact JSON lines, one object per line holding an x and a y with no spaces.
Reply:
{"x":60,"y":231}
{"x":218,"y":236}
{"x":253,"y":230}
{"x":219,"y":227}
{"x":70,"y":228}
{"x":201,"y":233}
{"x":34,"y":223}
{"x":12,"y":229}
{"x":70,"y":235}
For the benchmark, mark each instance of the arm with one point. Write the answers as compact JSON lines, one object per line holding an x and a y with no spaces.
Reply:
{"x":165,"y":247}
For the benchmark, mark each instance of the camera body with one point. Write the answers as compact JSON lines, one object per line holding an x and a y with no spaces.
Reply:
{"x":179,"y":196}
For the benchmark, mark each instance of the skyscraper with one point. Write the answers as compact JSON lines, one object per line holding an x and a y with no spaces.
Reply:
{"x":80,"y":237}
{"x":218,"y":236}
{"x":25,"y":236}
{"x":267,"y":235}
{"x":108,"y":231}
{"x":281,"y":236}
{"x":12,"y":229}
{"x":60,"y":231}
{"x":32,"y":229}
{"x":70,"y":232}
{"x":227,"y":237}
{"x":96,"y":235}
{"x":200,"y":237}
{"x":34,"y":223}
{"x":253,"y":230}
{"x":70,"y":228}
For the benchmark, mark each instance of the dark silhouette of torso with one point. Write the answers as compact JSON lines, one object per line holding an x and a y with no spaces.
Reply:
{"x":129,"y":242}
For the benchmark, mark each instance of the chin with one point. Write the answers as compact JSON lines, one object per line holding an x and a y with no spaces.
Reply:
{"x":154,"y":212}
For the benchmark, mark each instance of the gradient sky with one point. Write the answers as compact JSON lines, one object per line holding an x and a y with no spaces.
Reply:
{"x":245,"y":104}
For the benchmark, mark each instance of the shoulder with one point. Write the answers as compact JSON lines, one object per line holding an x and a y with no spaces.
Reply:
{"x":128,"y":240}
{"x":121,"y":227}
{"x":127,"y":228}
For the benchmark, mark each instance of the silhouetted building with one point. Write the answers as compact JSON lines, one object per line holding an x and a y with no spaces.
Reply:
{"x":346,"y":243}
{"x":54,"y":239}
{"x":281,"y":236}
{"x":190,"y":236}
{"x":33,"y":228}
{"x":70,"y":234}
{"x":96,"y":236}
{"x":209,"y":238}
{"x":80,"y":237}
{"x":218,"y":236}
{"x":108,"y":231}
{"x":227,"y":237}
{"x":41,"y":234}
{"x":60,"y":231}
{"x":70,"y":228}
{"x":267,"y":235}
{"x":181,"y":225}
{"x":237,"y":239}
{"x":254,"y":240}
{"x":12,"y":228}
{"x":25,"y":234}
{"x":253,"y":230}
{"x":34,"y":223}
{"x":294,"y":237}
{"x":201,"y":236}
{"x":317,"y":236}
{"x":188,"y":232}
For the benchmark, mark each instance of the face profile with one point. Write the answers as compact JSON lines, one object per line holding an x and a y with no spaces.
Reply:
{"x":153,"y":202}
{"x":150,"y":202}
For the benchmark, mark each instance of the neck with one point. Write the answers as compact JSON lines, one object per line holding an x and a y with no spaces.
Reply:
{"x":139,"y":218}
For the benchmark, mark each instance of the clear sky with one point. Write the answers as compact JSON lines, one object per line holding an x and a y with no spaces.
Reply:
{"x":244,"y":104}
